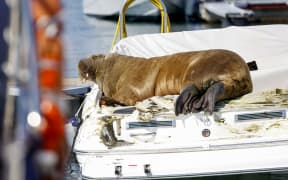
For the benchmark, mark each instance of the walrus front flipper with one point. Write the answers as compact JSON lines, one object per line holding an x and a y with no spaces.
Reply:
{"x":185,"y":100}
{"x":208,"y":99}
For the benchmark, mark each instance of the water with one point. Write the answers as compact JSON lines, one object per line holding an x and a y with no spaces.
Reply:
{"x":84,"y":36}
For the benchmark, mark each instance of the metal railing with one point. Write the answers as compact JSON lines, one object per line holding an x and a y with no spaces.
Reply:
{"x":121,"y":30}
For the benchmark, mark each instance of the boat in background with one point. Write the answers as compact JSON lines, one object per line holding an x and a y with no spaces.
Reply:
{"x":140,"y":9}
{"x":238,"y":12}
{"x":110,"y":8}
{"x":241,"y":12}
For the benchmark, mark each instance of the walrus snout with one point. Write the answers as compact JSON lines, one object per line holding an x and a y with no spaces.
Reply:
{"x":83,"y":69}
{"x":87,"y":67}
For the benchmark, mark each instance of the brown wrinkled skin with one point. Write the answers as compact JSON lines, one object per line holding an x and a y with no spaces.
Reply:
{"x":129,"y":79}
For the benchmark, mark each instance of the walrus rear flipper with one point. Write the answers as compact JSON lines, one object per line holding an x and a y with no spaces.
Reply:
{"x":191,"y":100}
{"x":186,"y":98}
{"x":208,"y":99}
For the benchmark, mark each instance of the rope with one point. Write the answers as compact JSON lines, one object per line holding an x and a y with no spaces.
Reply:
{"x":47,"y":27}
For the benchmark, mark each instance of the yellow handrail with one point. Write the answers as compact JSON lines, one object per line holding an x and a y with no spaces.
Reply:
{"x":121,"y":31}
{"x":165,"y":22}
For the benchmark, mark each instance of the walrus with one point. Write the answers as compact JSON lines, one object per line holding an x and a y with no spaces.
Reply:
{"x":200,"y":78}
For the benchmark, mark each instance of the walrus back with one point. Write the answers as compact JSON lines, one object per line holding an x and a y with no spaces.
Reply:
{"x":200,"y":68}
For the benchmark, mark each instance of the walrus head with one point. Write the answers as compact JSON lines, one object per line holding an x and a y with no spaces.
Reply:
{"x":89,"y":68}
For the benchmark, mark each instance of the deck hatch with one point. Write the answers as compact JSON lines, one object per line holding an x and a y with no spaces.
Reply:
{"x":261,"y":115}
{"x":152,"y":123}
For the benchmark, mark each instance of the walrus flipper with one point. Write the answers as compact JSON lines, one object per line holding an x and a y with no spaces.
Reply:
{"x":192,"y":100}
{"x":208,"y":99}
{"x":185,"y":100}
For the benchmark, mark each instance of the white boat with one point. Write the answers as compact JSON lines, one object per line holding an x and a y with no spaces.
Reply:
{"x":111,"y":8}
{"x":139,"y":8}
{"x":245,"y":135}
{"x":244,"y":11}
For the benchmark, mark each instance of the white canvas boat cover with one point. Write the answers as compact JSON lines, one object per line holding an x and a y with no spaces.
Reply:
{"x":265,"y":44}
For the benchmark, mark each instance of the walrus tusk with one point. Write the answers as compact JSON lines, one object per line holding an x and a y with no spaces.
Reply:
{"x":201,"y":78}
